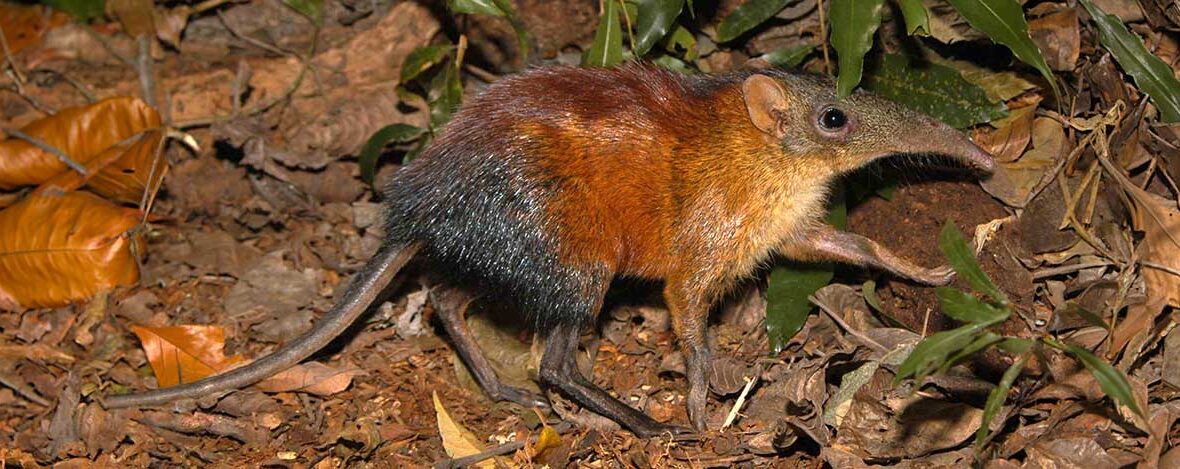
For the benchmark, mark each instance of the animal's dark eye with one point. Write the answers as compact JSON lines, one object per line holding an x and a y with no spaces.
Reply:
{"x":832,"y":119}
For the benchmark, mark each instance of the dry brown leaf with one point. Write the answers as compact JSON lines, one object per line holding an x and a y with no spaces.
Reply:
{"x":57,"y":249}
{"x":1159,"y":221}
{"x":82,"y":133}
{"x":1012,"y":134}
{"x":312,"y":377}
{"x":183,"y":354}
{"x":1014,"y":181}
{"x":1058,"y":37}
{"x":25,"y":24}
{"x":458,"y":440}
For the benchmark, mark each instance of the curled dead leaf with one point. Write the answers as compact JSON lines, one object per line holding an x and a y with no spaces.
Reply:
{"x":57,"y":249}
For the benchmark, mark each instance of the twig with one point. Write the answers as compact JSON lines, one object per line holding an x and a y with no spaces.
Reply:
{"x":733,"y":412}
{"x":501,"y":450}
{"x":1170,"y":270}
{"x":20,"y":78}
{"x":143,"y":67}
{"x":249,"y":40}
{"x":47,"y":147}
{"x":23,"y":390}
{"x":483,"y":75}
{"x":840,"y":322}
{"x":1067,"y":269}
{"x":81,"y":87}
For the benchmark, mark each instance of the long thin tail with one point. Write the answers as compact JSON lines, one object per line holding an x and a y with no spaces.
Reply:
{"x":365,"y":287}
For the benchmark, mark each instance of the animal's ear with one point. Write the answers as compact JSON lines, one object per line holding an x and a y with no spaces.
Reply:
{"x":765,"y":101}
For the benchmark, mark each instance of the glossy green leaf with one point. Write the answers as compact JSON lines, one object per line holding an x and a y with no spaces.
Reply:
{"x":853,"y":24}
{"x":747,"y":16}
{"x":963,"y":307}
{"x":607,"y":48}
{"x":1152,"y":75}
{"x":446,"y":92}
{"x":933,"y":352}
{"x":932,"y":89}
{"x":482,"y":7}
{"x":1003,"y":21}
{"x":681,"y":41}
{"x":959,"y":254}
{"x":421,"y":59}
{"x":983,"y":340}
{"x":1112,"y":381}
{"x":395,"y":133}
{"x":312,"y":9}
{"x":917,"y":18}
{"x":999,"y":394}
{"x":788,"y":289}
{"x":654,"y":19}
{"x":788,"y":57}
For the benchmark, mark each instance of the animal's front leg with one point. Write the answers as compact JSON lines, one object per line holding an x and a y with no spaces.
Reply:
{"x":689,"y":308}
{"x":828,"y":244}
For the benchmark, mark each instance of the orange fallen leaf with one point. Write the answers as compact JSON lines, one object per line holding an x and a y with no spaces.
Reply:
{"x":183,"y":354}
{"x":25,"y":24}
{"x":58,"y":249}
{"x":312,"y":377}
{"x":123,"y":172}
{"x":84,"y":134}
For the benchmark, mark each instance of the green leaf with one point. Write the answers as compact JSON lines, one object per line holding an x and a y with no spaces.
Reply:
{"x":917,"y":18}
{"x":446,"y":92}
{"x":1152,"y":75}
{"x":966,"y":308}
{"x":1112,"y":381}
{"x":481,"y":7}
{"x":421,"y":59}
{"x":853,"y":24}
{"x":681,"y":41}
{"x":83,"y":10}
{"x":607,"y":49}
{"x":312,"y":9}
{"x":1003,"y":21}
{"x":1016,"y":346}
{"x":672,"y":63}
{"x":963,"y":261}
{"x":746,"y":16}
{"x":869,"y":291}
{"x":396,"y":133}
{"x":984,"y":340}
{"x":995,"y":400}
{"x":788,"y":289}
{"x":932,"y":89}
{"x":788,"y":57}
{"x":654,"y":20}
{"x":933,"y":352}
{"x":522,"y":34}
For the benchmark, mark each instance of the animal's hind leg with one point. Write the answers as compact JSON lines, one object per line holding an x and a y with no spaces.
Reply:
{"x":559,"y":369}
{"x":450,"y":306}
